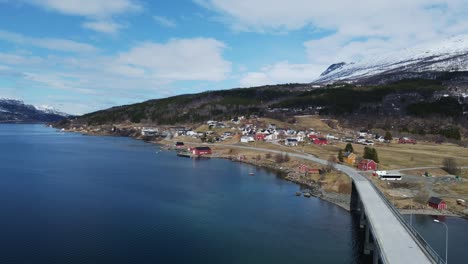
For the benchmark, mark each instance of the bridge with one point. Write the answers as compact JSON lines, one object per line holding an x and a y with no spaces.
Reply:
{"x":388,"y":236}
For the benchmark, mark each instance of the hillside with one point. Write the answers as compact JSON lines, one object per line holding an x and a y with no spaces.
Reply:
{"x":16,"y":111}
{"x":416,"y":106}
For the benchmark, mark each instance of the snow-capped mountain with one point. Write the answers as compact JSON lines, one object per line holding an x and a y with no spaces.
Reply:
{"x":50,"y":110}
{"x":16,"y":111}
{"x":450,"y":55}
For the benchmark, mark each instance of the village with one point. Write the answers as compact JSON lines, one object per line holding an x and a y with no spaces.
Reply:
{"x":384,"y":158}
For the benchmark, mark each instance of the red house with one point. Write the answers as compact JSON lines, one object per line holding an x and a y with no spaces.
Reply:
{"x":201,"y":151}
{"x":367,"y":164}
{"x":312,"y":136}
{"x":320,"y":141}
{"x":437,"y":203}
{"x":260,"y":137}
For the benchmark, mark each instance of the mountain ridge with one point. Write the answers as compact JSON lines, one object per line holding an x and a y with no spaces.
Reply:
{"x":446,"y":56}
{"x":16,"y":111}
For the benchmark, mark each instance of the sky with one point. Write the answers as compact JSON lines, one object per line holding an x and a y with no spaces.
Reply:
{"x":81,"y":56}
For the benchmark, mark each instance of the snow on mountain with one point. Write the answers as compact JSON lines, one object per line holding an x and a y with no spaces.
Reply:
{"x":16,"y":111}
{"x":50,"y":110}
{"x":449,"y":55}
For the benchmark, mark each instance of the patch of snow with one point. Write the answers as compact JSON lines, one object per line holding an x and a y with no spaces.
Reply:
{"x":50,"y":110}
{"x":447,"y":55}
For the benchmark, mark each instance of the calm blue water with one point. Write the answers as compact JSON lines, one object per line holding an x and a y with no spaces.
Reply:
{"x":68,"y":198}
{"x":434,"y":234}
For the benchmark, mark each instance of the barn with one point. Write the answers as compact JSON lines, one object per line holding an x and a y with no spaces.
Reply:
{"x":320,"y":141}
{"x":437,"y":203}
{"x":260,"y":136}
{"x":367,"y":164}
{"x":201,"y":151}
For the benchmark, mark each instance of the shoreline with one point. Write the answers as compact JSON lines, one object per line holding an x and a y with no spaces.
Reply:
{"x":338,"y":199}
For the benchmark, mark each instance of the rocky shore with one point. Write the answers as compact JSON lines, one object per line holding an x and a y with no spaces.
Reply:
{"x":313,"y":187}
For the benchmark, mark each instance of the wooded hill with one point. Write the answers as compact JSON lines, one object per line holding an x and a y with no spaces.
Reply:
{"x":427,"y":102}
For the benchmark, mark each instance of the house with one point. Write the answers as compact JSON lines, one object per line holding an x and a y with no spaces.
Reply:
{"x":437,"y":203}
{"x":367,"y":164}
{"x":260,"y":136}
{"x":312,"y":136}
{"x":247,"y":139}
{"x":201,"y":151}
{"x":192,"y":133}
{"x":405,"y":140}
{"x":360,"y":139}
{"x":271,"y":137}
{"x":179,"y":145}
{"x":363,"y":133}
{"x":149,"y":132}
{"x":272,"y":126}
{"x":349,"y":158}
{"x":292,"y":142}
{"x":320,"y":141}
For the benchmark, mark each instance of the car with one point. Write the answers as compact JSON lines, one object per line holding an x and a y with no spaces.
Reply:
{"x":368,"y":143}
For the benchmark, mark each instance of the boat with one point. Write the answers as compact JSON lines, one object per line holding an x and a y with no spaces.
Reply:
{"x":307,"y":195}
{"x":298,"y":193}
{"x":184,"y":154}
{"x":251,"y":173}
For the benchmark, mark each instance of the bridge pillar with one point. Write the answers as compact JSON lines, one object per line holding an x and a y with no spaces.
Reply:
{"x":375,"y":256}
{"x":362,"y":219}
{"x":368,"y":246}
{"x":354,"y":203}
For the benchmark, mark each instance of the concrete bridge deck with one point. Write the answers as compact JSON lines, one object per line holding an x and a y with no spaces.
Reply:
{"x":395,"y":242}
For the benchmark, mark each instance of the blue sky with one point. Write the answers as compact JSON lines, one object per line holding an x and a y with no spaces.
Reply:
{"x":85,"y":55}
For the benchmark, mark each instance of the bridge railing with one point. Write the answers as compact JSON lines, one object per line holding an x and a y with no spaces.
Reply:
{"x":411,"y":230}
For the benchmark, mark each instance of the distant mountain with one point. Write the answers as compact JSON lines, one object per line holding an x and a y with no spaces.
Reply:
{"x":16,"y":111}
{"x":429,"y":61}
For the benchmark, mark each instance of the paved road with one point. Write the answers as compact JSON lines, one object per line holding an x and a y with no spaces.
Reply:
{"x":395,"y":242}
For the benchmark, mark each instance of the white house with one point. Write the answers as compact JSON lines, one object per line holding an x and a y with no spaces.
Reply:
{"x":247,"y":139}
{"x":192,"y":133}
{"x":271,"y":137}
{"x":292,"y":142}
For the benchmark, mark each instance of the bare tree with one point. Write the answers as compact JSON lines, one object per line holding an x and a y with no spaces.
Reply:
{"x":331,"y":163}
{"x":450,"y":165}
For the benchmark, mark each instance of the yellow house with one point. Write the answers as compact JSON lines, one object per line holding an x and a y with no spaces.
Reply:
{"x":349,"y":158}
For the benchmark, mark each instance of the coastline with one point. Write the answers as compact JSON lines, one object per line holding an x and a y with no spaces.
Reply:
{"x":314,"y":188}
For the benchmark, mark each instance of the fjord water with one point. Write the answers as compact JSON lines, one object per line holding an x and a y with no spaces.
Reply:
{"x":68,"y":198}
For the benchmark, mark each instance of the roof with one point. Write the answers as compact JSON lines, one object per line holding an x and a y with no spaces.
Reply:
{"x":291,"y":139}
{"x":202,"y":148}
{"x":367,"y":161}
{"x":435,"y":200}
{"x":179,"y":143}
{"x":347,"y":154}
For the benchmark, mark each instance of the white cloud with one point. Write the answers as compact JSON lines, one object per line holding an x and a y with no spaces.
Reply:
{"x":99,"y":13}
{"x":282,"y":72}
{"x":179,"y":59}
{"x":108,"y":27}
{"x":165,"y":22}
{"x":89,"y":8}
{"x":148,"y":70}
{"x":358,"y":29}
{"x":47,"y":43}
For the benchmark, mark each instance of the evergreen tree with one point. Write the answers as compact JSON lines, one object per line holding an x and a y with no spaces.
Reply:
{"x":340,"y":155}
{"x":349,"y":148}
{"x":388,"y":136}
{"x":367,"y":153}
{"x":371,"y":153}
{"x":375,"y":156}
